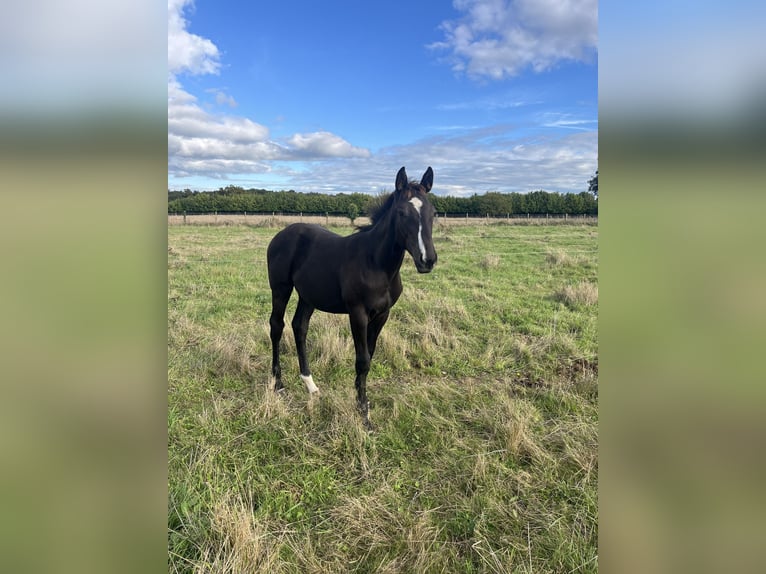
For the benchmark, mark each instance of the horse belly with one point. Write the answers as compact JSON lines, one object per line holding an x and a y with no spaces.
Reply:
{"x":320,"y":289}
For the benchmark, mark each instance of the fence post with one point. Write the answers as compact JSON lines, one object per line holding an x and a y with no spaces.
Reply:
{"x":184,"y":218}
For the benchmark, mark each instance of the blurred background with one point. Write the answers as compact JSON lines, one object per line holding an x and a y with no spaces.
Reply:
{"x":682,"y":114}
{"x":83,"y":174}
{"x":82,"y":288}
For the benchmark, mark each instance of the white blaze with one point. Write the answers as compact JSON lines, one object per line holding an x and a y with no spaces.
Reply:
{"x":417,"y":204}
{"x":312,"y":388}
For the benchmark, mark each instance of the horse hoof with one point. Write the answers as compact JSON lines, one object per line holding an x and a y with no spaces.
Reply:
{"x":369,"y":427}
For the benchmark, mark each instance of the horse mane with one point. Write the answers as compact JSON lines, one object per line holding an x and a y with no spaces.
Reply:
{"x":378,"y":208}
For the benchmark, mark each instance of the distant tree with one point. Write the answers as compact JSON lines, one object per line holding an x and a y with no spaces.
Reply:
{"x":589,"y":203}
{"x":573,"y":204}
{"x":537,"y":202}
{"x":230,"y":190}
{"x":352,"y":211}
{"x":593,"y":185}
{"x":493,"y":203}
{"x":555,"y":203}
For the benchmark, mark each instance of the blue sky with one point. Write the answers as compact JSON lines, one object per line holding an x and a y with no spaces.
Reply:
{"x":335,"y":96}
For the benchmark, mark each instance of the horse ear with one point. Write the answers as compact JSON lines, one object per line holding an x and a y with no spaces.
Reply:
{"x":401,"y":180}
{"x":428,"y":179}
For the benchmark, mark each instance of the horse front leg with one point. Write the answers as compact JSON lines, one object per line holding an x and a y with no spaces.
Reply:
{"x":300,"y":328}
{"x":359,"y":322}
{"x":373,"y":331}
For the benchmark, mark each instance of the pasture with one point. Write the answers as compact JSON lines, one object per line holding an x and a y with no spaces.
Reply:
{"x":483,"y":393}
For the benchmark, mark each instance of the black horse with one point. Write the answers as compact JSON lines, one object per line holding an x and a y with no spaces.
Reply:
{"x":356,"y":275}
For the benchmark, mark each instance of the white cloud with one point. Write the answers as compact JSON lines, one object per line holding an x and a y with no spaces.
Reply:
{"x":490,"y":103}
{"x":222,"y":99}
{"x":188,"y":52}
{"x":188,"y":120}
{"x":467,"y":162}
{"x":567,"y":121}
{"x":325,"y":144}
{"x":499,"y":38}
{"x":203,"y":143}
{"x":219,"y":145}
{"x":495,"y":159}
{"x":196,"y":138}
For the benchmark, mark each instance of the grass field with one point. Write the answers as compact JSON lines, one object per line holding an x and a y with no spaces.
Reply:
{"x":483,"y":391}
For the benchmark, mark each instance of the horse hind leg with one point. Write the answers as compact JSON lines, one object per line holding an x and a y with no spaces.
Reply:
{"x":279,"y":299}
{"x":300,"y":329}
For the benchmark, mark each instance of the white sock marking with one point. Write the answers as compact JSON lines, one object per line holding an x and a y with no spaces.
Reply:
{"x":417,"y":204}
{"x":312,"y":388}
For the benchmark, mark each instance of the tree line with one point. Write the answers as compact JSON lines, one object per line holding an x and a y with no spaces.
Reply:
{"x":233,"y":199}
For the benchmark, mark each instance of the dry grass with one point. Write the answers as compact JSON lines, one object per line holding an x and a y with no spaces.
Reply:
{"x":259,"y":220}
{"x":518,"y":220}
{"x":239,"y":543}
{"x":330,"y":341}
{"x":490,"y":261}
{"x":581,"y":294}
{"x":280,"y":220}
{"x":520,"y":426}
{"x":559,"y":257}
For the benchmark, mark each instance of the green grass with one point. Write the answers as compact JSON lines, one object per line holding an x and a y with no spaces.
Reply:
{"x":483,"y":392}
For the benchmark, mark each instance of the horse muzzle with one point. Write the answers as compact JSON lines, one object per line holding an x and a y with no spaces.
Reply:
{"x":424,"y":265}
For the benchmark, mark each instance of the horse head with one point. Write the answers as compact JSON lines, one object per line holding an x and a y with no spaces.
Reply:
{"x":414,"y":218}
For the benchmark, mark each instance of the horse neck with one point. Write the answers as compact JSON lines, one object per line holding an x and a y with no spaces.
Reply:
{"x":387,"y":253}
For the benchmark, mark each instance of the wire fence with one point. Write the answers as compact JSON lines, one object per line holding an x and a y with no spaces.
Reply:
{"x":278,"y":219}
